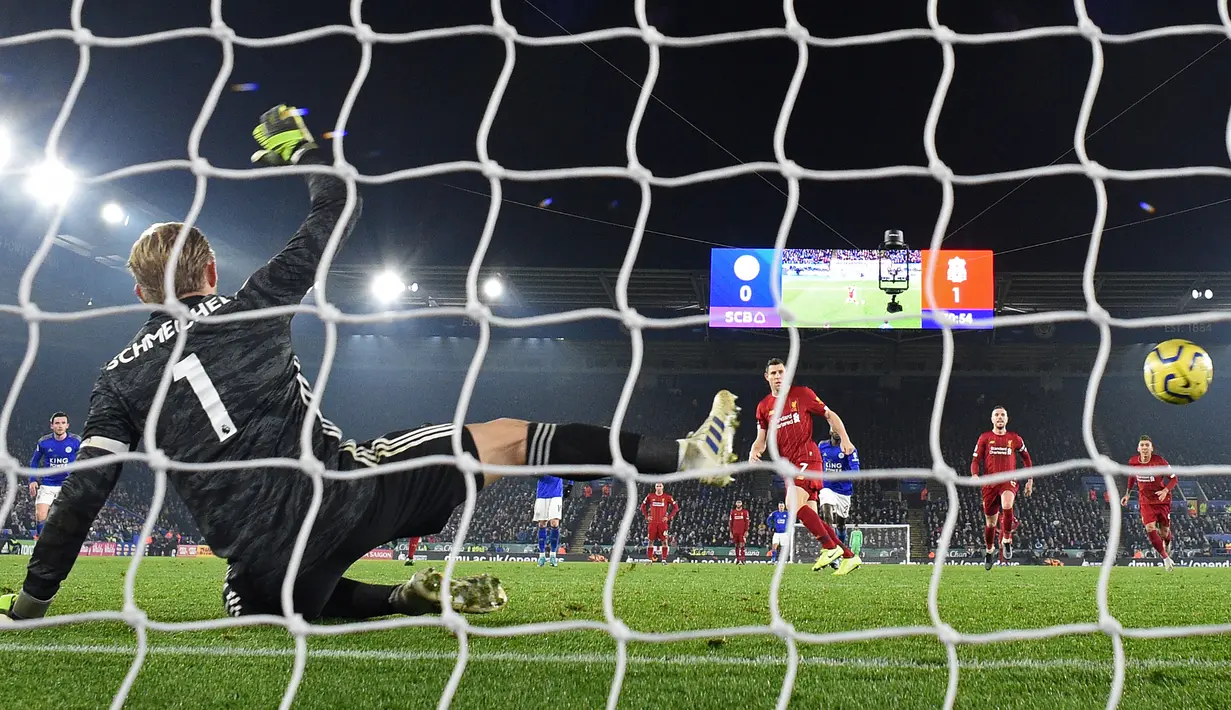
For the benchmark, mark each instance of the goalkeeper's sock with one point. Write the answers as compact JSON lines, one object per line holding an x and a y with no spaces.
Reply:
{"x":357,"y":600}
{"x":989,"y":538}
{"x":553,"y":540}
{"x":542,"y":540}
{"x":559,"y":444}
{"x":1006,"y":524}
{"x":1157,"y":541}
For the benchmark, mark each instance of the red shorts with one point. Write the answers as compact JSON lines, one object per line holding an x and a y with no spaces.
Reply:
{"x":738,"y":537}
{"x":812,"y":485}
{"x":658,"y":531}
{"x":991,"y":496}
{"x":1156,"y":513}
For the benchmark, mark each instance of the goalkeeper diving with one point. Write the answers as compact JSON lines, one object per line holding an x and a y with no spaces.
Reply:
{"x":237,"y":395}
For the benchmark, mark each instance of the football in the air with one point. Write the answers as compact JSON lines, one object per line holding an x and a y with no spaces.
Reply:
{"x":1178,"y":371}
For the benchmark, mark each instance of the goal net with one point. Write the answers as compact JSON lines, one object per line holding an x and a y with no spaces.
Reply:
{"x":806,"y":41}
{"x":875,"y":544}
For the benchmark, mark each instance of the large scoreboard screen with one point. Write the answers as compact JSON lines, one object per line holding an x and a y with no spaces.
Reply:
{"x":848,"y":288}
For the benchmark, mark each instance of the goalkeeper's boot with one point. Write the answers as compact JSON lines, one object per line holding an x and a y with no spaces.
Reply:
{"x":989,"y":560}
{"x":850,"y":564}
{"x":828,"y":556}
{"x":712,"y":445}
{"x":470,"y":595}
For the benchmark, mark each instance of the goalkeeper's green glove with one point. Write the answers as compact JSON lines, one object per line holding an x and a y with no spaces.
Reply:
{"x":282,"y":135}
{"x":22,"y":606}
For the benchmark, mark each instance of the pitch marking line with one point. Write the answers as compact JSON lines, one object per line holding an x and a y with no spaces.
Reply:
{"x":610,"y":659}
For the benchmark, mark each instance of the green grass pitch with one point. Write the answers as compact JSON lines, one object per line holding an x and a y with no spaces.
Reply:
{"x":817,"y":301}
{"x":82,"y":665}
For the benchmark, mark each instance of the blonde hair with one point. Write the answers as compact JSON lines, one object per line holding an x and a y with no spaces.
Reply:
{"x":150,"y":253}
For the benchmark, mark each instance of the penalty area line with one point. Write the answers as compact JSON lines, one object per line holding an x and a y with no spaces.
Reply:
{"x":610,"y":658}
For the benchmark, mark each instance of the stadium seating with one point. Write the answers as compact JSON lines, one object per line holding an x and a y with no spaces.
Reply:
{"x":888,"y":419}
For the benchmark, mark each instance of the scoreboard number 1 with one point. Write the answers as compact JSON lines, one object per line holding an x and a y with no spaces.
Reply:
{"x":957,"y":295}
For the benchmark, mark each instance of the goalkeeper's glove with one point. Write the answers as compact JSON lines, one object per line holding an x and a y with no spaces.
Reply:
{"x":22,"y":606}
{"x":282,"y":135}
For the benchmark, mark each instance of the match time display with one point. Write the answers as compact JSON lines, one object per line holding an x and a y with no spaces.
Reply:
{"x":849,"y":288}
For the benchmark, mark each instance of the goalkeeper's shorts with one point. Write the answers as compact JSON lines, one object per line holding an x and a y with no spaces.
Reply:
{"x":412,"y":503}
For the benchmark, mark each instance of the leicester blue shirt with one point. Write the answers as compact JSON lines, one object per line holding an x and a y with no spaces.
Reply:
{"x":53,"y":453}
{"x":833,"y":460}
{"x":777,"y":521}
{"x":550,"y":487}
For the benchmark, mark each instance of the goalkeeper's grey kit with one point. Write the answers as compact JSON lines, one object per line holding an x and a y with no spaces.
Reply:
{"x":238,"y":395}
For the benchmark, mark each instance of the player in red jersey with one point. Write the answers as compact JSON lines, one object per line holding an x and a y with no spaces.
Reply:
{"x":1153,"y":498}
{"x":740,"y":519}
{"x":795,"y":444}
{"x":412,"y":546}
{"x":660,"y":509}
{"x":997,"y":450}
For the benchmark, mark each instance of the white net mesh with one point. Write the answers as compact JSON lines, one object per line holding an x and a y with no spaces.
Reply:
{"x":331,"y":316}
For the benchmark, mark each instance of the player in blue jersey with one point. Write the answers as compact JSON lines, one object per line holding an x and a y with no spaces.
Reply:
{"x":777,"y":522}
{"x":548,"y":503}
{"x":835,"y":498}
{"x":59,"y":448}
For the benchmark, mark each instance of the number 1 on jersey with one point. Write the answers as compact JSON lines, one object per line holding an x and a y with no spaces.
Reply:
{"x":190,"y":368}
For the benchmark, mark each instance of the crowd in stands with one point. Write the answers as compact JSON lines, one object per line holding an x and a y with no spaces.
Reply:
{"x":121,"y":518}
{"x":1063,"y":514}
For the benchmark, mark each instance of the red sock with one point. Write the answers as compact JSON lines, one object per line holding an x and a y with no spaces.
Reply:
{"x":650,"y":551}
{"x":822,"y":530}
{"x":1006,"y":524}
{"x":1157,"y":541}
{"x":664,"y":556}
{"x":414,"y":545}
{"x":1166,"y":535}
{"x":989,"y":537}
{"x":815,"y":525}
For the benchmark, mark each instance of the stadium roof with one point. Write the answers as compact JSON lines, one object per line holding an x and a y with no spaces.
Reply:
{"x":1124,"y":294}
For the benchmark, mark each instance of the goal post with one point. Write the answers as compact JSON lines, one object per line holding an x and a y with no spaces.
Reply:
{"x":875,"y":544}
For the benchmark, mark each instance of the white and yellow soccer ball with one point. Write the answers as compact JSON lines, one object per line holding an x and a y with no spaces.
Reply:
{"x":1178,"y":371}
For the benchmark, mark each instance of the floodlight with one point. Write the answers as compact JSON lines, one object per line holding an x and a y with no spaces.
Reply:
{"x":493,"y":288}
{"x":50,"y":183}
{"x":387,"y":286}
{"x":6,"y":147}
{"x":113,"y":213}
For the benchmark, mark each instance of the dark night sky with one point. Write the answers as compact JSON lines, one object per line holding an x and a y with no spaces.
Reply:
{"x":1010,"y":106}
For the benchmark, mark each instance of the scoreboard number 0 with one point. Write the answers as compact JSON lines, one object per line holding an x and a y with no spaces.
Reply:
{"x":745,"y":293}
